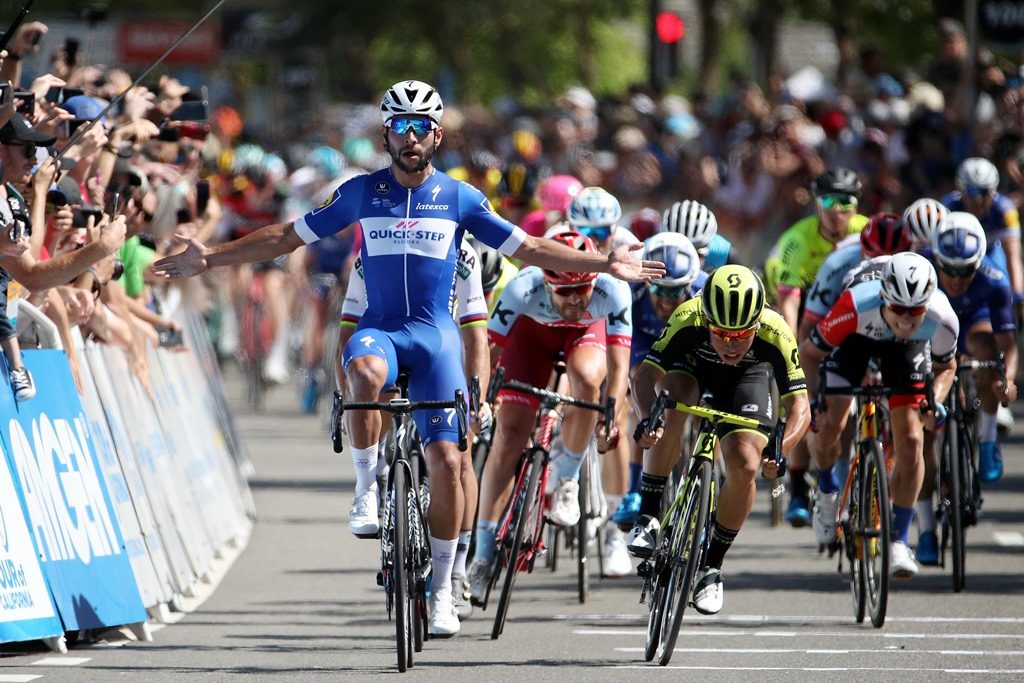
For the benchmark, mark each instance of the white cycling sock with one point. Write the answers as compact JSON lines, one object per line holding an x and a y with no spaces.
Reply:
{"x":566,"y":464}
{"x":442,"y":553}
{"x":365,"y":462}
{"x":925,"y":515}
{"x":987,"y":427}
{"x":461,"y":551}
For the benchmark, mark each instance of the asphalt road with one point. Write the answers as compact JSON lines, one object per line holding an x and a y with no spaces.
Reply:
{"x":301,"y":603}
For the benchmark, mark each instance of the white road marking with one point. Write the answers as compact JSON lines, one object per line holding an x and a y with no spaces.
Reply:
{"x":790,"y":619}
{"x":18,"y":678}
{"x":806,"y":634}
{"x":61,"y":661}
{"x":886,"y":650}
{"x":1009,"y":538}
{"x":648,"y":667}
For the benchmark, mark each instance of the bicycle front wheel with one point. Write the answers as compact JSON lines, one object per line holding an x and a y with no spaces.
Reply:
{"x":583,"y":534}
{"x":403,"y":579}
{"x":526,"y":519}
{"x":876,"y":532}
{"x":684,"y":555}
{"x":951,"y":496}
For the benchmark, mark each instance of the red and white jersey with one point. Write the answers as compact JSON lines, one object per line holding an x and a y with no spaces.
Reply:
{"x":526,"y":294}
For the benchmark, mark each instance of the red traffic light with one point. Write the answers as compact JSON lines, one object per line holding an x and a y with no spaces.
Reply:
{"x":669,"y":27}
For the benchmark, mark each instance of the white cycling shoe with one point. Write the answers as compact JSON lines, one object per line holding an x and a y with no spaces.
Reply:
{"x":363,"y":520}
{"x":444,"y":620}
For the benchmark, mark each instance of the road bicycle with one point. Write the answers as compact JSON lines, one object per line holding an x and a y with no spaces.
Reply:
{"x":519,"y":538}
{"x":959,"y":488}
{"x":256,"y":334}
{"x":404,"y":536}
{"x":863,"y":513}
{"x":687,"y":525}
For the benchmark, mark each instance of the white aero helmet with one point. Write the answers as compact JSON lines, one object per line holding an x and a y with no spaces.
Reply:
{"x":977,"y":172}
{"x":908,"y":279}
{"x":923,"y":217}
{"x":412,"y":97}
{"x":691,"y":219}
{"x":594,"y":207}
{"x":960,"y":241}
{"x":679,"y":256}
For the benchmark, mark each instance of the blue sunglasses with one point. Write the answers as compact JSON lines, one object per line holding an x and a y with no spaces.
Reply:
{"x":667,"y":292}
{"x":597,"y":233}
{"x":401,"y":125}
{"x":977,"y":191}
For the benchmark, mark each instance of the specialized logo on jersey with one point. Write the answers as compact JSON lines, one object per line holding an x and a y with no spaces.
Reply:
{"x":434,"y":193}
{"x":382,"y":187}
{"x":430,"y":237}
{"x":327,"y":202}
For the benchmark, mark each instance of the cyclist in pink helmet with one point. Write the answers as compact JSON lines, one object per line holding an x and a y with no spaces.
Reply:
{"x":555,"y":195}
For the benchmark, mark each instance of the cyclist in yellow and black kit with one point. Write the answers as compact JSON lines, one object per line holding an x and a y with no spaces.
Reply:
{"x":728,"y":344}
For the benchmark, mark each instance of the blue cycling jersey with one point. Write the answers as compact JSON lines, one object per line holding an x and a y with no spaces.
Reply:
{"x":411,"y":238}
{"x":718,"y":253}
{"x":988,"y":298}
{"x":329,"y":254}
{"x":647,"y":326}
{"x":1001,"y":221}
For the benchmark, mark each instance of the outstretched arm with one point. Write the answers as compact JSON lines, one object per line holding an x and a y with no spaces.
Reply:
{"x":552,"y":255}
{"x":264,"y":244}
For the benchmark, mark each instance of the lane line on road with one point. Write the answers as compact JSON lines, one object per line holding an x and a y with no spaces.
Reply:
{"x":648,"y":667}
{"x":1008,"y":538}
{"x":881,"y":650}
{"x":61,"y":661}
{"x":790,"y":619}
{"x":805,"y":634}
{"x":18,"y":678}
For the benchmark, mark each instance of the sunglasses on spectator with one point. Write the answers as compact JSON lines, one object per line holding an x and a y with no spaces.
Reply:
{"x":598,"y":233}
{"x":962,"y":271}
{"x":977,"y":192}
{"x":569,"y":290}
{"x":734,"y":335}
{"x":912,"y":311}
{"x":667,"y":292}
{"x":843,"y":202}
{"x":401,"y":125}
{"x":29,"y":150}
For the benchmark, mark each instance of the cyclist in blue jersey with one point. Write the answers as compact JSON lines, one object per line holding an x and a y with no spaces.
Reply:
{"x":980,"y":295}
{"x":653,"y":305}
{"x":413,"y":219}
{"x":698,"y":224}
{"x":976,"y":181}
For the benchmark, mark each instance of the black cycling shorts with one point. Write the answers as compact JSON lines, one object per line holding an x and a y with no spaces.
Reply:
{"x":747,"y":392}
{"x":904,"y":364}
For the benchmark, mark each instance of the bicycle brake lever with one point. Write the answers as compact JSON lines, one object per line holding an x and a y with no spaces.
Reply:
{"x":336,"y":412}
{"x":460,"y":414}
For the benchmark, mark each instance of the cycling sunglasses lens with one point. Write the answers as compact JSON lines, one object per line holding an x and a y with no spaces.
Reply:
{"x":732,"y":335}
{"x":965,"y":271}
{"x":977,"y":192}
{"x":906,"y":310}
{"x":420,"y":127}
{"x":598,"y":233}
{"x":843,"y":202}
{"x":667,"y":292}
{"x":569,"y":290}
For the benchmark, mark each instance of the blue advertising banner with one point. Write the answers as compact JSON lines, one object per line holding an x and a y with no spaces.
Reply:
{"x":66,"y":503}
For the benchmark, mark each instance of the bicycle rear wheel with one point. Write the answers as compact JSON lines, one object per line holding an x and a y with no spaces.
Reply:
{"x":402,"y":581}
{"x":684,"y":554}
{"x":526,"y":518}
{"x":661,"y":575}
{"x":876,"y":531}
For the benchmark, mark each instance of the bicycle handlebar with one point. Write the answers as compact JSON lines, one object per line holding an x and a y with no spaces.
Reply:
{"x":554,"y":398}
{"x":400,"y":406}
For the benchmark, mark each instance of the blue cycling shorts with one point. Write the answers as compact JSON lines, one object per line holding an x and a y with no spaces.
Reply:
{"x":431,"y":355}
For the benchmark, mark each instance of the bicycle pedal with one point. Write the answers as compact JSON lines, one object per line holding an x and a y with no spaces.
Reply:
{"x":644,"y":569}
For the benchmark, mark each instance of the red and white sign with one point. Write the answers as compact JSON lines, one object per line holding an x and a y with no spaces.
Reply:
{"x":144,"y":41}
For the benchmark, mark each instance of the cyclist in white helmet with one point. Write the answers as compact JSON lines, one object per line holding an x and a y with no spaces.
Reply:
{"x":697,"y":223}
{"x":923,"y":217}
{"x":977,"y":180}
{"x":905,"y":322}
{"x":595,"y":213}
